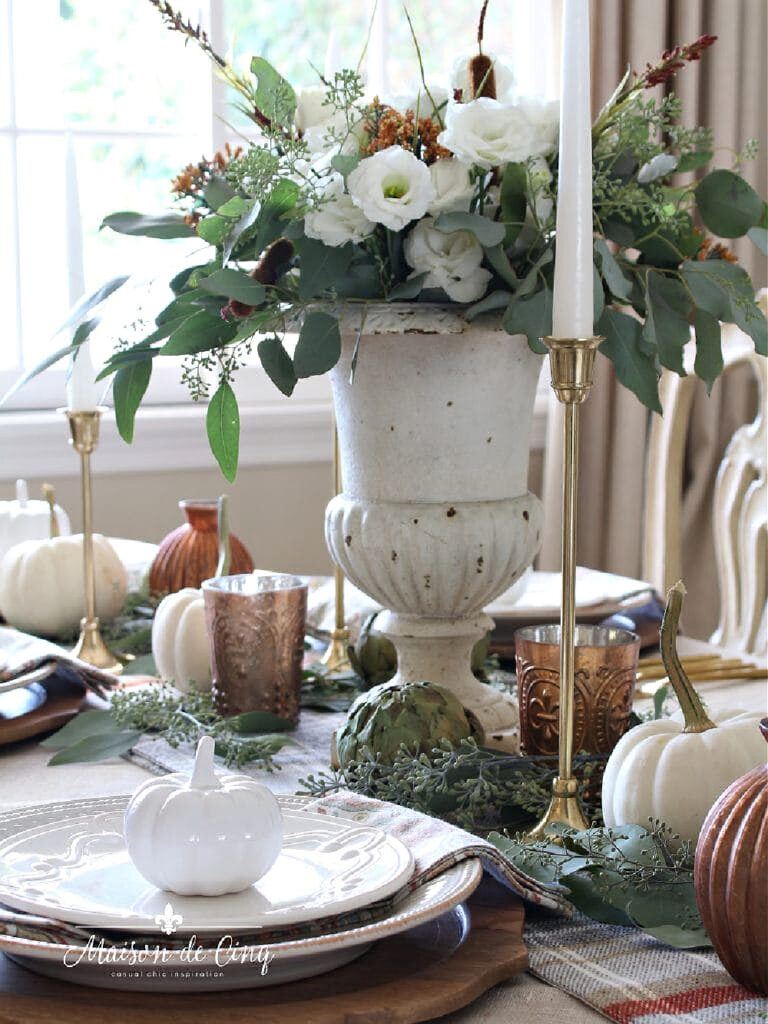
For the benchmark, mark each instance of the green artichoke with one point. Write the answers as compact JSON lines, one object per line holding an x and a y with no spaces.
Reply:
{"x":417,"y":715}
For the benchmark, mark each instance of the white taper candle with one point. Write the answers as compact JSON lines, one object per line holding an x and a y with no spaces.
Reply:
{"x":573,"y":309}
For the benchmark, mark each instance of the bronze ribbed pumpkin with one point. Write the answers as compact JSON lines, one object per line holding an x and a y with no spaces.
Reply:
{"x":731,"y":877}
{"x":190,"y":553}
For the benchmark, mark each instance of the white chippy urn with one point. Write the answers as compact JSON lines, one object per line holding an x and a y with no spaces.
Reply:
{"x":203,"y":835}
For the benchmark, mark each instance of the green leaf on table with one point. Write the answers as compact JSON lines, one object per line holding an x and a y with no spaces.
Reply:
{"x":322,"y":266}
{"x":128,"y":389}
{"x":680,"y":938}
{"x":728,"y":205}
{"x":531,"y":316}
{"x":218,"y":191}
{"x":274,"y":96}
{"x":259,"y":722}
{"x":86,"y":723}
{"x":618,"y":284}
{"x":198,"y":333}
{"x":234,"y":284}
{"x":709,"y":353}
{"x":164,"y":225}
{"x":222,"y":423}
{"x":488,"y":232}
{"x":319,"y":345}
{"x":666,"y":326}
{"x":277,"y":364}
{"x":586,"y":896}
{"x":725,"y":291}
{"x":634,"y":368}
{"x":98,"y":747}
{"x":512,"y":200}
{"x":407,"y":289}
{"x":143,"y":664}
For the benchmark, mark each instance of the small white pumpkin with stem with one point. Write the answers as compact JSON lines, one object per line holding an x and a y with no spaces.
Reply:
{"x":662,"y":771}
{"x":29,"y":519}
{"x":180,"y":644}
{"x":204,"y":835}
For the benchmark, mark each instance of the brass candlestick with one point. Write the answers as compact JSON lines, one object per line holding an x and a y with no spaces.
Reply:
{"x":84,"y":428}
{"x":572,"y":363}
{"x":336,"y":658}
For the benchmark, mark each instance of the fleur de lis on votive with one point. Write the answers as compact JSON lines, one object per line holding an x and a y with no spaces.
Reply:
{"x":168,"y":922}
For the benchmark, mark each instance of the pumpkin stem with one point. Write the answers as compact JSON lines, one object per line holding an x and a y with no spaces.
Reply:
{"x":203,"y":773}
{"x":225,"y":548}
{"x":696,"y":718}
{"x":48,"y":494}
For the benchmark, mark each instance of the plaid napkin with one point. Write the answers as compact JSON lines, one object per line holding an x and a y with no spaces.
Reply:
{"x":21,"y":653}
{"x":436,"y":846}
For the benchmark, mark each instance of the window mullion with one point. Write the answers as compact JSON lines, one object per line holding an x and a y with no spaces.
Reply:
{"x":13,"y":134}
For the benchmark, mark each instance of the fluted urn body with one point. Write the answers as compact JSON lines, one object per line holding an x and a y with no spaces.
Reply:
{"x":435,"y":519}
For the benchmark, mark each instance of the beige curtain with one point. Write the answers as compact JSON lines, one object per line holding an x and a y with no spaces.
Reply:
{"x":727,"y":91}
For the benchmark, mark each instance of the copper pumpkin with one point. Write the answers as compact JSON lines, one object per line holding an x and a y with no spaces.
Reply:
{"x":190,"y":553}
{"x":731,"y":877}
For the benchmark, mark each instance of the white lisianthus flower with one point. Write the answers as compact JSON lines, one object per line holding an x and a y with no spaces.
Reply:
{"x":503,"y":76}
{"x":419,"y":102}
{"x":544,"y":118}
{"x":311,"y":108}
{"x":658,"y":166}
{"x":325,"y":136}
{"x":452,"y":184}
{"x":450,"y":260}
{"x":392,"y":187}
{"x":488,"y":133}
{"x":337,"y":220}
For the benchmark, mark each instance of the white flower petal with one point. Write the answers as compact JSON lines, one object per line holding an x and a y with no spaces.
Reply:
{"x":450,"y":260}
{"x":392,"y":187}
{"x":337,"y":220}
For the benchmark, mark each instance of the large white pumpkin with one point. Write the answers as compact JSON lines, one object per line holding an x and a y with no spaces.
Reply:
{"x":180,"y":644}
{"x":23,"y":519}
{"x":42,"y":589}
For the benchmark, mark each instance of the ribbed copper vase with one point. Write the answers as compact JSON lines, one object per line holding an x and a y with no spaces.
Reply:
{"x":190,"y":553}
{"x":731,"y":877}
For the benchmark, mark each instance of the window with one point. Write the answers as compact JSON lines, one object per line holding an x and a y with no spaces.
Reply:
{"x":100,"y":106}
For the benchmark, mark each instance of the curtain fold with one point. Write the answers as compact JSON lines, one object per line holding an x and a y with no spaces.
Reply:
{"x":726,"y":91}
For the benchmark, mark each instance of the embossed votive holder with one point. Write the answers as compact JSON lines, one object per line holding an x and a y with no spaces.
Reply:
{"x":605,"y":666}
{"x":256,"y":630}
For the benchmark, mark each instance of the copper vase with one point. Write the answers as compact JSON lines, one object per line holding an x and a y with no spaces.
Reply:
{"x":731,"y":877}
{"x":605,"y":668}
{"x":190,"y":553}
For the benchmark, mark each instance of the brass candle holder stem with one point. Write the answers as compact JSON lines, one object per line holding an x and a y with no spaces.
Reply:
{"x":84,"y":430}
{"x":336,"y":658}
{"x":572,"y":364}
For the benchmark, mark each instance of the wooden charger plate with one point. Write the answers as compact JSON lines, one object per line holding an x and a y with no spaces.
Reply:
{"x":39,"y":708}
{"x":432,"y":970}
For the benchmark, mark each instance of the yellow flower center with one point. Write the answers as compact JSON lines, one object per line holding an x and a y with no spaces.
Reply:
{"x":395,"y":187}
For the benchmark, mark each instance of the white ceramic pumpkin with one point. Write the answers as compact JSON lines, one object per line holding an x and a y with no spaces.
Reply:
{"x":25,"y":519}
{"x":206,"y":835}
{"x":674,"y":769}
{"x":180,"y":644}
{"x":42,"y":590}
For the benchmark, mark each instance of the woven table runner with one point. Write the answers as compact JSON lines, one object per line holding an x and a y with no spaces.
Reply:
{"x":632,"y":978}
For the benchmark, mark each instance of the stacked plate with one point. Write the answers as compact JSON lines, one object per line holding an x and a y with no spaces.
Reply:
{"x":336,"y":888}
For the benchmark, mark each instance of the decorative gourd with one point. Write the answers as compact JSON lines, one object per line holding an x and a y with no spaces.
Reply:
{"x":42,"y":589}
{"x":731,"y":877}
{"x":205,"y":835}
{"x":24,"y":519}
{"x":661,"y":771}
{"x":180,"y":643}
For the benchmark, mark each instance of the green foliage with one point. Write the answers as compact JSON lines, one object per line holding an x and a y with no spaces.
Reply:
{"x":222,"y":423}
{"x":277,"y":364}
{"x":728,"y":205}
{"x":319,"y":345}
{"x":487,"y":232}
{"x":128,"y":389}
{"x":164,"y":225}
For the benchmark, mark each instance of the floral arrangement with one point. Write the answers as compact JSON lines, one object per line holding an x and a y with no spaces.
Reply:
{"x":447,"y":195}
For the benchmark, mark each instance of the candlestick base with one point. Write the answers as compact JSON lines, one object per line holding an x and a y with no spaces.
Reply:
{"x":336,"y":658}
{"x":564,"y":809}
{"x":92,"y":648}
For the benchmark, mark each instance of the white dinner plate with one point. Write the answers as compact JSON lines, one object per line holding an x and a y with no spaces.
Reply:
{"x":69,"y":861}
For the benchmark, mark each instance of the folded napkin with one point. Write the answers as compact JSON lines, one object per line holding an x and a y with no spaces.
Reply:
{"x":21,"y":653}
{"x":436,"y":846}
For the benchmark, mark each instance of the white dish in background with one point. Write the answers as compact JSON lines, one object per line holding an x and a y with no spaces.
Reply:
{"x":541,"y":594}
{"x":136,"y":556}
{"x":70,"y":862}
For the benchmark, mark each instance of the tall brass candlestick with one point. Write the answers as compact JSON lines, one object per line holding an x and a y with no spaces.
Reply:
{"x":336,"y":658}
{"x":572,"y":363}
{"x":84,"y":428}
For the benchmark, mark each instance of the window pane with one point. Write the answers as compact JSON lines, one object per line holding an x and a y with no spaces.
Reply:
{"x":8,"y":348}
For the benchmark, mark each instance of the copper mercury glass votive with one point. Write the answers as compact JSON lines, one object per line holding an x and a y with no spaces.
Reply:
{"x":604,"y":677}
{"x":256,"y":630}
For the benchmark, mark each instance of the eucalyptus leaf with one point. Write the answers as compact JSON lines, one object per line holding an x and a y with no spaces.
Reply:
{"x":98,"y":747}
{"x":245,"y":221}
{"x":322,"y":266}
{"x":272,"y":220}
{"x":164,"y":225}
{"x":234,"y":284}
{"x":692,"y":161}
{"x":759,"y":236}
{"x":222,"y":423}
{"x":407,"y":289}
{"x":666,"y":326}
{"x":724,"y":290}
{"x":277,"y":364}
{"x":728,"y":205}
{"x":499,"y":261}
{"x":86,"y":723}
{"x":488,"y":232}
{"x":274,"y":96}
{"x":218,"y":191}
{"x":214,"y":229}
{"x":493,"y":300}
{"x":234,"y":207}
{"x":618,"y":284}
{"x":198,"y":333}
{"x":128,"y":389}
{"x":50,"y":360}
{"x":319,"y":345}
{"x":587,"y":896}
{"x":344,"y":163}
{"x":709,"y":353}
{"x":512,"y":200}
{"x":635,"y":369}
{"x":531,"y":316}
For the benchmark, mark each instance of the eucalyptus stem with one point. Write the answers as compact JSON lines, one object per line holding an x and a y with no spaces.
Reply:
{"x":225,"y":547}
{"x":696,"y":718}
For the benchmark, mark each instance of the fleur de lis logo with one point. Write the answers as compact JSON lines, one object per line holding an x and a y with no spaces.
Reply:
{"x":168,"y":922}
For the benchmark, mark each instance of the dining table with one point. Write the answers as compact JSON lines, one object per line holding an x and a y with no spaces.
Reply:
{"x":26,"y":779}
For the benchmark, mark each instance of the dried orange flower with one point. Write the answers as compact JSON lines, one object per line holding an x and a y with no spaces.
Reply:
{"x":388,"y":127}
